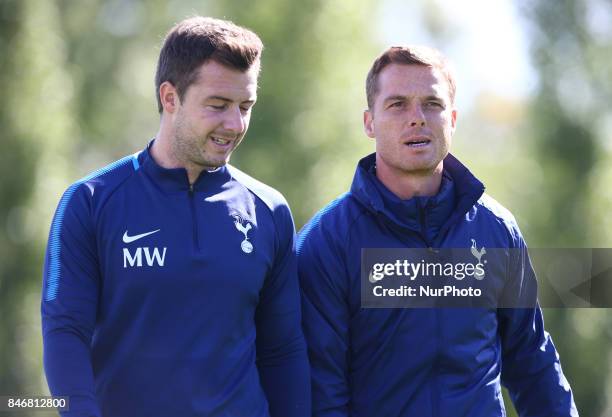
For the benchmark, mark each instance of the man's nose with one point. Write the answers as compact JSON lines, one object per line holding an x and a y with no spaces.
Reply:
{"x":234,"y":120}
{"x":415,"y":115}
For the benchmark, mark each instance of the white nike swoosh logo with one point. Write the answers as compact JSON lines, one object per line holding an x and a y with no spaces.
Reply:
{"x":130,"y":239}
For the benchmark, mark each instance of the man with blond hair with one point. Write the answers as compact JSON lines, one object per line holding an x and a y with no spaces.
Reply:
{"x":412,"y":193}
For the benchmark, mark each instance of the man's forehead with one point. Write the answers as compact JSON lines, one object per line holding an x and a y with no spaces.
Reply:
{"x":221,"y":87}
{"x":396,"y":78}
{"x":219,"y":80}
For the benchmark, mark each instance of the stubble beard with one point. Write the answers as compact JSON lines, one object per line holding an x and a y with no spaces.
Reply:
{"x":416,"y":170}
{"x":415,"y":165}
{"x":431,"y":164}
{"x":189,"y":149}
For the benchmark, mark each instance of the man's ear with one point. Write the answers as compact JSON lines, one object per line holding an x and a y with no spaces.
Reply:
{"x":454,"y":119}
{"x":169,"y":97}
{"x":368,"y":123}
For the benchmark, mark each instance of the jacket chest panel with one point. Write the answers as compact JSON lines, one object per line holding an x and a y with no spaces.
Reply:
{"x":457,"y":329}
{"x":151,"y":247}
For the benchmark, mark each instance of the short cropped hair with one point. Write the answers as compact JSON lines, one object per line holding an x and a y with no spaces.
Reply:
{"x":196,"y":40}
{"x":409,"y":55}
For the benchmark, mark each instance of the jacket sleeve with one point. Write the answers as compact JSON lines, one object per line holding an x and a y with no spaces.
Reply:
{"x":69,"y":302}
{"x":282,"y":359}
{"x":323,"y":280}
{"x":530,"y":363}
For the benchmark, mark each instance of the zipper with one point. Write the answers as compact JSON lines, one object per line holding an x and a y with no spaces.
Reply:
{"x":423,"y":224}
{"x":194,"y":217}
{"x":435,"y":389}
{"x":436,"y":364}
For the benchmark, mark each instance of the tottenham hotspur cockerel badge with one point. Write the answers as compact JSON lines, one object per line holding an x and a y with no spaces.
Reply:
{"x":243,"y":226}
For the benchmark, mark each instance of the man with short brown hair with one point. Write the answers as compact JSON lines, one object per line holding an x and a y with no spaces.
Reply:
{"x":170,"y":282}
{"x":413,"y":194}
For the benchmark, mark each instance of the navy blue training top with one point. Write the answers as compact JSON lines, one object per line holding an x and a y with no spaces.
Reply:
{"x":424,"y":362}
{"x":163,"y":299}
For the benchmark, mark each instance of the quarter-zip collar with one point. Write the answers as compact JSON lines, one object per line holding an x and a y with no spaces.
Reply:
{"x":428,"y":216}
{"x":176,"y":179}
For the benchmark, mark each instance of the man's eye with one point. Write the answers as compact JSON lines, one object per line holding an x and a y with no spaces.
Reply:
{"x":435,"y":104}
{"x":217,"y":106}
{"x":397,"y":104}
{"x":244,"y":109}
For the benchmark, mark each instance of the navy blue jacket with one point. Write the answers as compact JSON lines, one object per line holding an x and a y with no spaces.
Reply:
{"x":161,"y":300}
{"x":419,"y":362}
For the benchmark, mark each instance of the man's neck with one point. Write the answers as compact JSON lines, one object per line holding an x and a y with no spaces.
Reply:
{"x":163,"y":153}
{"x":406,"y":185}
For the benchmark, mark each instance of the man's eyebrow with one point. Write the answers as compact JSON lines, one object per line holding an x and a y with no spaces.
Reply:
{"x":403,"y":98}
{"x":221,"y":98}
{"x":395,"y":97}
{"x":218,"y":98}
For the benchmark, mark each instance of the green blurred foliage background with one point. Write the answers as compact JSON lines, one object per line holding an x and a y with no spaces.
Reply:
{"x":77,"y":86}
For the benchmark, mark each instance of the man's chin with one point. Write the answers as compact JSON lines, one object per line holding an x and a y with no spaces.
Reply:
{"x":213,"y":165}
{"x":420,"y":168}
{"x":215,"y":162}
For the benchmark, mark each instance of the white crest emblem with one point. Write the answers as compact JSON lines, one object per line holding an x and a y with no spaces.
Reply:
{"x":478,"y":253}
{"x":245,"y":245}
